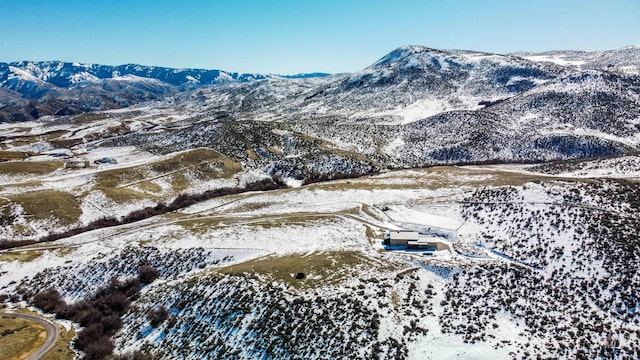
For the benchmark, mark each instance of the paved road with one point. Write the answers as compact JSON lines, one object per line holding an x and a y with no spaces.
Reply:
{"x":52,"y":332}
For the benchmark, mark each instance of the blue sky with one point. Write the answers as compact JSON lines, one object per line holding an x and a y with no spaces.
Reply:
{"x":292,"y":36}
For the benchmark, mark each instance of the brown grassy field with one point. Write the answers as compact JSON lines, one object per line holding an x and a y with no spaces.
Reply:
{"x":319,"y":268}
{"x":13,"y":155}
{"x":140,"y":182}
{"x":23,"y":256}
{"x":61,"y":350}
{"x":30,"y":167}
{"x":436,"y":178}
{"x":49,"y":204}
{"x":19,"y":338}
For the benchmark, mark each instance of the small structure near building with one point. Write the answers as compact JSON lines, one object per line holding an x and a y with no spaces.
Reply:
{"x":428,"y":243}
{"x":421,"y":244}
{"x":105,"y":160}
{"x":77,"y":163}
{"x":400,"y":237}
{"x":59,"y":153}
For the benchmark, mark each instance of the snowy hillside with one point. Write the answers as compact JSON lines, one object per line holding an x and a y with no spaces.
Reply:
{"x":302,"y":272}
{"x":202,"y":214}
{"x":419,"y":106}
{"x":623,"y":60}
{"x":415,"y":82}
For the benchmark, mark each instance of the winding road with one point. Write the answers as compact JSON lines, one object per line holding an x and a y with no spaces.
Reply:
{"x":52,"y":332}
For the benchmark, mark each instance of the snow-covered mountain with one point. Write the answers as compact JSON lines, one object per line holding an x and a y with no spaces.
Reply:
{"x":24,"y":75}
{"x":414,"y":107}
{"x":91,"y":87}
{"x":414,"y":82}
{"x":530,"y":260}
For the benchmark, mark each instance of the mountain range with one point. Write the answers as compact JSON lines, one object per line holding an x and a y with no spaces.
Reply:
{"x":181,"y":174}
{"x":64,"y":88}
{"x":416,"y":106}
{"x":450,"y":79}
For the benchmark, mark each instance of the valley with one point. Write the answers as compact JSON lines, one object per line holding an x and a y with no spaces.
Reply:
{"x":331,"y":232}
{"x":260,"y":205}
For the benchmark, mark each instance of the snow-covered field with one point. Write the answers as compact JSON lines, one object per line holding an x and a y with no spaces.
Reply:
{"x":539,"y":261}
{"x":518,"y":230}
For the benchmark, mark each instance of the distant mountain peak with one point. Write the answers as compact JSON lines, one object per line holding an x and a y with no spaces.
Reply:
{"x":630,"y":47}
{"x":403,"y":53}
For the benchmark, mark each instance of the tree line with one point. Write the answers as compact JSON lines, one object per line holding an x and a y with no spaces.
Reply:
{"x":180,"y":202}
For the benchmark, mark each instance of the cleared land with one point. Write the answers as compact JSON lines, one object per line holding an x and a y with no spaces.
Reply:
{"x":22,"y":256}
{"x":29,"y":167}
{"x":181,"y":172}
{"x":306,"y":270}
{"x":56,"y":205}
{"x":19,"y":338}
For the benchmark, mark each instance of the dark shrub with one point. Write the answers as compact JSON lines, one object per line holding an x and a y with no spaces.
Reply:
{"x":100,"y":348}
{"x":99,"y":315}
{"x":158,"y":316}
{"x":88,"y":317}
{"x":48,"y":300}
{"x":117,"y":302}
{"x":88,"y":335}
{"x":4,"y":244}
{"x":111,"y":324}
{"x":147,"y":274}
